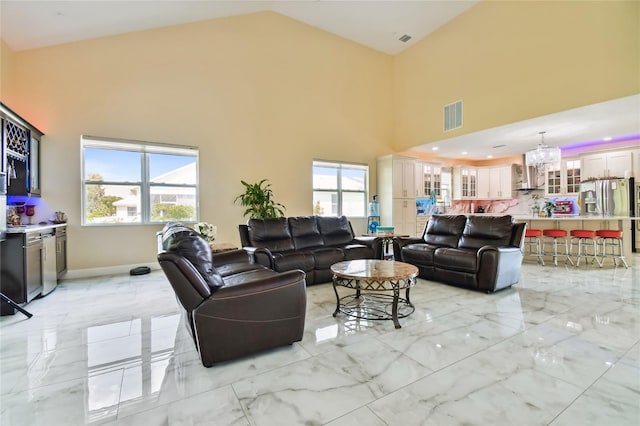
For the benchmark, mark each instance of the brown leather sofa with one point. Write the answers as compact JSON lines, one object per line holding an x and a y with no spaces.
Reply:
{"x":233,"y":307}
{"x":478,"y":252}
{"x":309,"y":243}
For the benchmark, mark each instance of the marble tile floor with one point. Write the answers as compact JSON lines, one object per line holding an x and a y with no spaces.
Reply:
{"x":560,"y":348}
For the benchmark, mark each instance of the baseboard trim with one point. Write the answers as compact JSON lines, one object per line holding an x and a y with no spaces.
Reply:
{"x":107,"y":270}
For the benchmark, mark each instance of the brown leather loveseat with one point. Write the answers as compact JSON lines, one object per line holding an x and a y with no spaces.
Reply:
{"x":478,"y":252}
{"x":309,"y":243}
{"x":233,"y":307}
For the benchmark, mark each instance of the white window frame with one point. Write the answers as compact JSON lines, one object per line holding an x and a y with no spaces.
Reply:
{"x":145,"y":148}
{"x":340,"y":165}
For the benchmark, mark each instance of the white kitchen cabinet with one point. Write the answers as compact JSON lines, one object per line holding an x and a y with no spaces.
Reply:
{"x":465,"y":182}
{"x":404,"y":216}
{"x":607,"y":164}
{"x":399,"y":179}
{"x":495,"y":182}
{"x":563,"y":178}
{"x":405,"y":178}
{"x":484,"y":182}
{"x":430,"y":180}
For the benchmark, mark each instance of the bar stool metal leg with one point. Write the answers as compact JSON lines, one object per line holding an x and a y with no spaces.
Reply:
{"x":611,"y":239}
{"x":585,"y":239}
{"x":554,"y":235}
{"x":533,"y":241}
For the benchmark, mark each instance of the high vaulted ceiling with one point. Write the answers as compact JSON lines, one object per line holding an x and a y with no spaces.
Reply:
{"x":28,"y":24}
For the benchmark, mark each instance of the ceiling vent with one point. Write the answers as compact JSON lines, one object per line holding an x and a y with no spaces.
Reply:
{"x":453,"y":116}
{"x":405,"y":38}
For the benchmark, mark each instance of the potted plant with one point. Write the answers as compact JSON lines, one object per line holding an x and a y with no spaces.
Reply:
{"x":258,"y":200}
{"x":549,"y":207}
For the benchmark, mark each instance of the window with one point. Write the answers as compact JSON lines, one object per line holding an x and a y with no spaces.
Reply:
{"x":130,"y":182}
{"x":339,"y":189}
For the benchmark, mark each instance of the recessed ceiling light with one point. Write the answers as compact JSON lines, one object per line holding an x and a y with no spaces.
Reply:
{"x":489,"y":156}
{"x":607,"y":139}
{"x":435,"y":148}
{"x":464,"y":152}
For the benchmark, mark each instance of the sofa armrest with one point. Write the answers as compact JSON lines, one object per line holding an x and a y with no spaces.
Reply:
{"x":498,"y":267}
{"x":366,"y":241}
{"x":399,"y":242}
{"x":261,"y":255}
{"x":231,"y":256}
{"x":374,"y":243}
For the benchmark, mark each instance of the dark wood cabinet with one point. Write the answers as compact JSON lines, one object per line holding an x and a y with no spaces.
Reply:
{"x":21,"y":153}
{"x":22,"y":266}
{"x":29,"y":268}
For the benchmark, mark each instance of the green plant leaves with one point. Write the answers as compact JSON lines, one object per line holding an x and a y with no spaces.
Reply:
{"x":258,"y":200}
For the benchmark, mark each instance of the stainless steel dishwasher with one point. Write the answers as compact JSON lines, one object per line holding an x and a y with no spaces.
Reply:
{"x":49,"y":270}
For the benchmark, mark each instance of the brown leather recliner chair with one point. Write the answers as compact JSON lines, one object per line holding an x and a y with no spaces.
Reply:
{"x":233,"y":307}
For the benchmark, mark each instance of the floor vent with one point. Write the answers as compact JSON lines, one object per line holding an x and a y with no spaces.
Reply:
{"x":453,"y":116}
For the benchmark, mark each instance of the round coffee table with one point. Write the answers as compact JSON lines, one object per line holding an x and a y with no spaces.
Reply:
{"x":374,"y":276}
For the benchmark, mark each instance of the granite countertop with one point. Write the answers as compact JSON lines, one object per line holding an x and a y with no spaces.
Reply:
{"x":23,"y":229}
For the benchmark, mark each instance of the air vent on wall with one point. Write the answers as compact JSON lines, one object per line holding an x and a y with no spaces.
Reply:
{"x":453,"y":116}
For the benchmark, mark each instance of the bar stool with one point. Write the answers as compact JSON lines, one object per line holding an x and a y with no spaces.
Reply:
{"x":612,"y":239}
{"x":533,"y":241}
{"x":555,"y":235}
{"x":584,"y":239}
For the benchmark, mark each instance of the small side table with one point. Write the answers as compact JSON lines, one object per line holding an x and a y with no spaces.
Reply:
{"x":220,"y":247}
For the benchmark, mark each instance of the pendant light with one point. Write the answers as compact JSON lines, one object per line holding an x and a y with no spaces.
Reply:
{"x":542,"y":155}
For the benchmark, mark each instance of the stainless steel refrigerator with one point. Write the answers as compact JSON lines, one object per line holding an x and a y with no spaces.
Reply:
{"x":605,"y":197}
{"x":611,"y":197}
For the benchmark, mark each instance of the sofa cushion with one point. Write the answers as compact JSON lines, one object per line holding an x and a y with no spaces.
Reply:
{"x":418,"y":254}
{"x":335,"y":230}
{"x":357,"y":251}
{"x":287,"y":261}
{"x":486,"y":230}
{"x":305,"y":232}
{"x":455,"y":259}
{"x":249,"y":276}
{"x":324,"y":257}
{"x":272,"y":233}
{"x":445,"y":230}
{"x":184,"y":241}
{"x":237,"y":268}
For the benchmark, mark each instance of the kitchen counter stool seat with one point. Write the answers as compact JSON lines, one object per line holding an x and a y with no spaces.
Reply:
{"x":584,"y":239}
{"x":552,"y":236}
{"x":533,"y":243}
{"x":610,"y":241}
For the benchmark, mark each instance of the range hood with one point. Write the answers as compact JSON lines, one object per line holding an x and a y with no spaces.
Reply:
{"x":530,"y":180}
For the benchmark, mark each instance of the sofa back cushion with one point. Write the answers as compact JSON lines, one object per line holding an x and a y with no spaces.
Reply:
{"x":272,"y":233}
{"x":487,"y":230}
{"x":305,"y":232}
{"x":184,"y":241}
{"x":335,"y":230}
{"x":444,"y":230}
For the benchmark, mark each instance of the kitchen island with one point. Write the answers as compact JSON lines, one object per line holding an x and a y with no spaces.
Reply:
{"x":594,"y":223}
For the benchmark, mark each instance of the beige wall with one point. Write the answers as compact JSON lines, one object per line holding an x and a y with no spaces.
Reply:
{"x":262,"y":96}
{"x":514,"y":60}
{"x":6,"y":72}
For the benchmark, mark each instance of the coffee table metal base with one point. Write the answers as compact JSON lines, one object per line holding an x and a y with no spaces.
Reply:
{"x":374,"y":306}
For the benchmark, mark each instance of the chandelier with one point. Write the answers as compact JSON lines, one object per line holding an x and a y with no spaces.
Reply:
{"x":542,"y":155}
